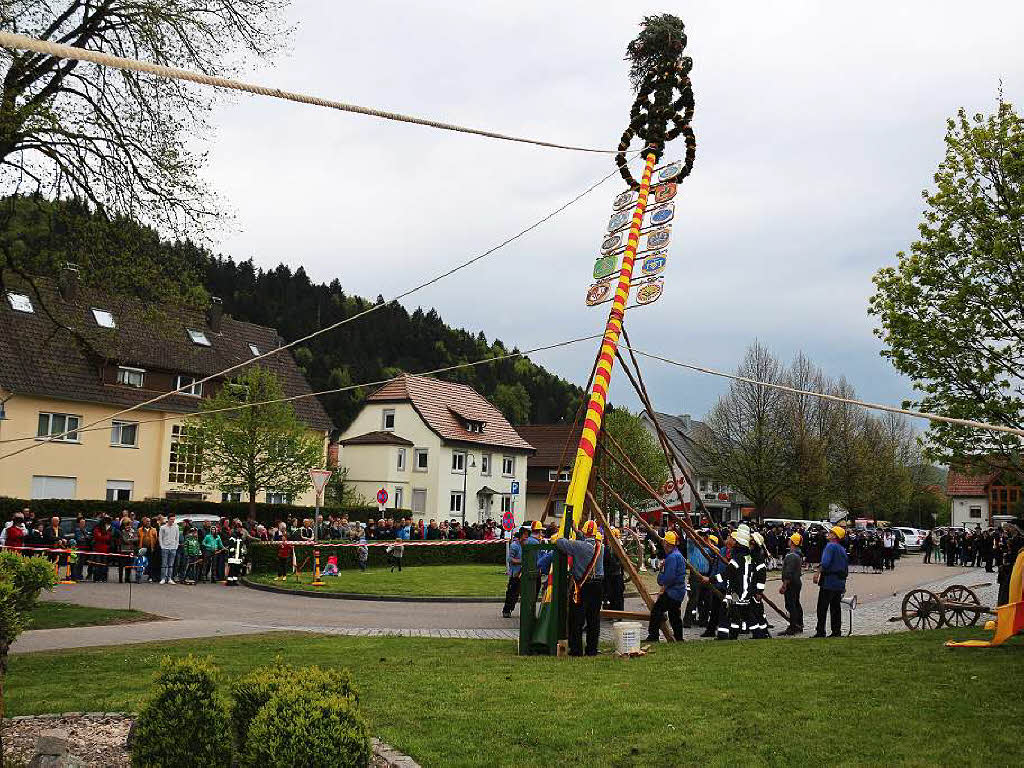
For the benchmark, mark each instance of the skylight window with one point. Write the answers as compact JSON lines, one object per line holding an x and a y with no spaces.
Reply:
{"x":198,"y":337}
{"x":255,"y":350}
{"x":104,"y":319}
{"x":20,"y":302}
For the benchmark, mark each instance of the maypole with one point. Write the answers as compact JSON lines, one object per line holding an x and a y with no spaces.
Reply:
{"x":660,"y":75}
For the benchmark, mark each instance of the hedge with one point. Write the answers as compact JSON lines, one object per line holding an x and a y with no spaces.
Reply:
{"x":264,"y":556}
{"x":265,"y":513}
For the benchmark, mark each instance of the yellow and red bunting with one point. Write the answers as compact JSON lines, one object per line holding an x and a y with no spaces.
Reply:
{"x":605,"y":360}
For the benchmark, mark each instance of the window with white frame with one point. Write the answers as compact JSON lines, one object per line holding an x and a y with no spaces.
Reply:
{"x":124,"y":434}
{"x":458,"y":462}
{"x":419,"y":501}
{"x":276,"y":497}
{"x":455,"y":502}
{"x":49,"y":487}
{"x":186,"y":460}
{"x":554,"y":476}
{"x":255,"y":350}
{"x":485,"y":464}
{"x":54,"y":425}
{"x":230,"y":496}
{"x":401,"y":460}
{"x":398,"y":498}
{"x":198,"y":337}
{"x":104,"y":318}
{"x":120,"y":490}
{"x":508,"y":466}
{"x":388,"y":421}
{"x":420,"y":459}
{"x":506,"y":504}
{"x":133,"y":377}
{"x":188,"y":385}
{"x":975,"y":513}
{"x":20,"y":302}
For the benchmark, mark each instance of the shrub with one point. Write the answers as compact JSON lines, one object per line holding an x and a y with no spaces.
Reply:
{"x":183,"y":724}
{"x":299,"y":727}
{"x":252,"y":692}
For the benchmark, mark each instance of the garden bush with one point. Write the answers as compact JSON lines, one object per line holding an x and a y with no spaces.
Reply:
{"x":299,"y":727}
{"x":250,"y":693}
{"x":184,"y":723}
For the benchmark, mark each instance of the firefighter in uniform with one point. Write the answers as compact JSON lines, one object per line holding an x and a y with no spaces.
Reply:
{"x":586,"y":587}
{"x":742,"y":584}
{"x":236,"y":556}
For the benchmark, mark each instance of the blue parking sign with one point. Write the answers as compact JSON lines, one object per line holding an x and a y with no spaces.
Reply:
{"x":515,"y":487}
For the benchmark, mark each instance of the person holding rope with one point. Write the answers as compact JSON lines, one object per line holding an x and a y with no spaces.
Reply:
{"x":672,"y":579}
{"x":514,"y":567}
{"x":587,"y":587}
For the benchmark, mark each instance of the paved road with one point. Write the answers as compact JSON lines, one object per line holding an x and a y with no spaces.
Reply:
{"x":211,"y":610}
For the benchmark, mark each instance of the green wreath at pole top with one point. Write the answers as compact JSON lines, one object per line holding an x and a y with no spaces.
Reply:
{"x":660,"y":75}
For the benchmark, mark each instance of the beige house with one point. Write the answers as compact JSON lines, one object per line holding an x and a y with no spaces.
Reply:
{"x":113,"y":353}
{"x":437,"y":448}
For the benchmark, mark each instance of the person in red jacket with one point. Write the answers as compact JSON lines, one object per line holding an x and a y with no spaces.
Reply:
{"x":284,"y":554}
{"x":14,"y":534}
{"x":101,"y":537}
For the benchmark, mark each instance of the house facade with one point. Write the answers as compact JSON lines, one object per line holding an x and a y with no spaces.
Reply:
{"x":71,"y":356}
{"x":982,"y":499}
{"x":437,"y":448}
{"x":547,"y":476}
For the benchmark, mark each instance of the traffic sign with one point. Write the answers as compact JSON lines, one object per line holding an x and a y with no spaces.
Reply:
{"x":515,"y":488}
{"x":382,"y":496}
{"x":508,"y":521}
{"x":320,"y":478}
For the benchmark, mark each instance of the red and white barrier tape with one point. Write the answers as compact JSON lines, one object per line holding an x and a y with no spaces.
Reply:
{"x":403,"y":542}
{"x":64,"y":551}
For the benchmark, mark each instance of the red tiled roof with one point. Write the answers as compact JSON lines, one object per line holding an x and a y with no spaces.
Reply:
{"x":962,"y":484}
{"x":437,"y":402}
{"x":549,"y":440}
{"x":380,"y":437}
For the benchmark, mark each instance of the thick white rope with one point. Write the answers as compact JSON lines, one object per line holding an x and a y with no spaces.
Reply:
{"x":25,"y":43}
{"x":833,"y":398}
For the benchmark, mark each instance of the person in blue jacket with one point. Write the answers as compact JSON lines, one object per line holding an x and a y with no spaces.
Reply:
{"x":672,"y":580}
{"x":831,"y":581}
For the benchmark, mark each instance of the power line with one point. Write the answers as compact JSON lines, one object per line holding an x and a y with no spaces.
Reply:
{"x":833,"y":398}
{"x":333,"y":326}
{"x":347,"y":388}
{"x":26,"y":43}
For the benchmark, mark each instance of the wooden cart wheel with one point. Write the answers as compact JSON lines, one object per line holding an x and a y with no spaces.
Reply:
{"x":923,"y":610}
{"x":957,"y":616}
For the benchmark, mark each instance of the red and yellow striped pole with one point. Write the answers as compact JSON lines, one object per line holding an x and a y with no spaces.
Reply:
{"x":606,"y":357}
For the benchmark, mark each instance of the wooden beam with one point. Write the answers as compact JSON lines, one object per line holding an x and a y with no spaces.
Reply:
{"x":625,"y":615}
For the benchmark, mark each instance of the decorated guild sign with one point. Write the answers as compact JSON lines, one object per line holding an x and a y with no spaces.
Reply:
{"x":605,"y":266}
{"x":654,"y":263}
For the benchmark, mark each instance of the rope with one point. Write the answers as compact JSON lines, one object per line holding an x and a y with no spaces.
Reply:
{"x":338,"y":324}
{"x":348,"y":388}
{"x":834,"y":398}
{"x":25,"y":43}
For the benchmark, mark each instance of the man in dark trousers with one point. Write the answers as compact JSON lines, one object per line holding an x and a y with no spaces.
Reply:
{"x":586,"y":588}
{"x":831,"y":581}
{"x":614,"y":579}
{"x":672,"y":580}
{"x":515,"y":572}
{"x":792,"y":567}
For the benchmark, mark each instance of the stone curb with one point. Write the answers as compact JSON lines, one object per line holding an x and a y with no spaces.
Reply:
{"x":61,"y":715}
{"x":391,"y":756}
{"x":372,"y":598}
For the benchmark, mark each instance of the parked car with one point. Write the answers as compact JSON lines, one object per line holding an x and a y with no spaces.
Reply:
{"x":68,"y":524}
{"x":913,"y":538}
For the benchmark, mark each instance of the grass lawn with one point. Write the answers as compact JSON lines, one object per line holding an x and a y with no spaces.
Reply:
{"x":54,"y":615}
{"x":421,"y":580}
{"x":899,"y":699}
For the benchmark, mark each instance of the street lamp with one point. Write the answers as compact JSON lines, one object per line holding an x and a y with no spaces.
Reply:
{"x":467,"y":462}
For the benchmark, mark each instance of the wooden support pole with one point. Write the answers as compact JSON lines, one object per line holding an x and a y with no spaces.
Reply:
{"x":625,"y":615}
{"x":620,"y":553}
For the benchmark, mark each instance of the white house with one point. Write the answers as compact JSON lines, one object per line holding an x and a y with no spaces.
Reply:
{"x":982,"y":499}
{"x":433,"y":445}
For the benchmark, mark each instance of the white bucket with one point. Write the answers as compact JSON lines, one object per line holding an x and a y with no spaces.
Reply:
{"x":627,"y":636}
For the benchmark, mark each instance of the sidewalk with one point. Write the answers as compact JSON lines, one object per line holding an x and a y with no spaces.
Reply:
{"x":139,"y":632}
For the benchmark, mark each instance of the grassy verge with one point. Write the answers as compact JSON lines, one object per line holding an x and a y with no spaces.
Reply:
{"x":54,"y":615}
{"x":419,"y":581}
{"x":898,"y":699}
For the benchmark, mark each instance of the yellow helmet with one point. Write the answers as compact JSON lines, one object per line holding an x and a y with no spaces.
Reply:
{"x":589,"y":528}
{"x":838,"y":531}
{"x":616,"y":533}
{"x":672,"y":538}
{"x":713,"y":539}
{"x":796,"y":538}
{"x":536,"y":526}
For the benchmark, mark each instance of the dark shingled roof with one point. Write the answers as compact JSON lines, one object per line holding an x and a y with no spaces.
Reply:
{"x":380,"y":437}
{"x":438,"y":402}
{"x":39,"y":358}
{"x":549,"y":440}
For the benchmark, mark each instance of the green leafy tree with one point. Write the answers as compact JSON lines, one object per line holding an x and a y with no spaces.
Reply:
{"x":262,"y":447}
{"x":513,"y":401}
{"x":643,"y":450}
{"x":21,"y":581}
{"x":951,"y":311}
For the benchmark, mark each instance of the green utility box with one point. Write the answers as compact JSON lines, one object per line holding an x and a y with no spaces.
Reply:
{"x":542,"y":624}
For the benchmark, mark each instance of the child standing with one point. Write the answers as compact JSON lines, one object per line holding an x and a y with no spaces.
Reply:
{"x":362,"y":552}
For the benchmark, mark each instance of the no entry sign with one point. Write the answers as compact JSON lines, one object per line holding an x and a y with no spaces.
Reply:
{"x":508,"y":521}
{"x":382,"y":496}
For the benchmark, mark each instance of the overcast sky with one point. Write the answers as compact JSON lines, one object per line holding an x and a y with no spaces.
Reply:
{"x":818,"y":125}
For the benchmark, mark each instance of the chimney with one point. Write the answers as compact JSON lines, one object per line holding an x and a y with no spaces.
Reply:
{"x":67,"y":281}
{"x":214,"y":314}
{"x":685,"y":418}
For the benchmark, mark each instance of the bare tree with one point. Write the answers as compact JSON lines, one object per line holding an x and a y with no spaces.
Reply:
{"x":806,"y":437}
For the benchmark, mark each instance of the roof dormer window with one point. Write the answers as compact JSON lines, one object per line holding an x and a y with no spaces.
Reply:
{"x":132,"y":377}
{"x":476,"y":427}
{"x":20,"y":302}
{"x":198,"y":337}
{"x":104,"y":318}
